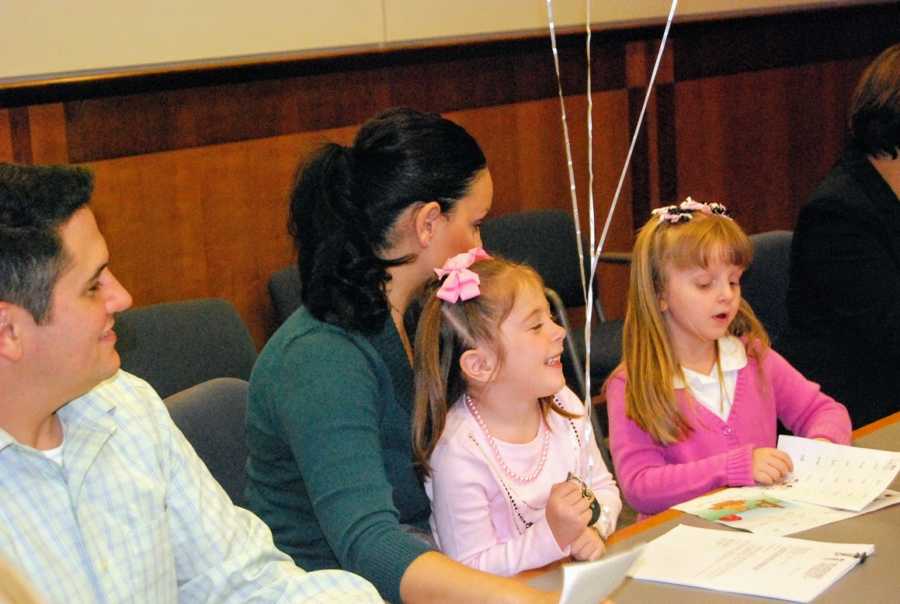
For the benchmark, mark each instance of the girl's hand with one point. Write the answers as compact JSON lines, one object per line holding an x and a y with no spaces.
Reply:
{"x":770,"y":465}
{"x":589,"y":545}
{"x":567,"y":512}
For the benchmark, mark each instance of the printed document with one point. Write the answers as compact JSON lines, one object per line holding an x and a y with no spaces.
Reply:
{"x":774,"y":567}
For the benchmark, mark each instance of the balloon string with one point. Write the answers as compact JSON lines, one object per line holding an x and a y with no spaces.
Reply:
{"x":588,"y":472}
{"x":568,"y":146}
{"x":612,"y":208}
{"x":595,"y":252}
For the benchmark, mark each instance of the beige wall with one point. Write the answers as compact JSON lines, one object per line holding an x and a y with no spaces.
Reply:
{"x":42,"y":37}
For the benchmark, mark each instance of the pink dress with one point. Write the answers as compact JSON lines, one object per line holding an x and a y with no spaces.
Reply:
{"x":489,"y":521}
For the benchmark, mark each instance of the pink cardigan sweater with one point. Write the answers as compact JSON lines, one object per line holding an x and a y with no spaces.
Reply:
{"x":479,"y":514}
{"x":654,"y":477}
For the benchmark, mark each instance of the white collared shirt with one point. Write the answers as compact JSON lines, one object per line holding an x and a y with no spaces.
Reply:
{"x":706,"y":389}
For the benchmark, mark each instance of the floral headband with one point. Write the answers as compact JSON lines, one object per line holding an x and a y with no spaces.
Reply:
{"x":684,"y":211}
{"x":460,"y":283}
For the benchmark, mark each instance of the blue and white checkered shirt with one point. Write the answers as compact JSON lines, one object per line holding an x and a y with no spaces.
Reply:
{"x":133,"y":515}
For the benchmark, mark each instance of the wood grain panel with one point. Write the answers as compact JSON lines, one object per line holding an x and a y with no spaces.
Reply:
{"x":6,"y":148}
{"x":20,"y":135}
{"x":457,"y":79}
{"x":712,"y":48}
{"x":759,"y":141}
{"x":817,"y":123}
{"x":209,"y":221}
{"x":667,"y":167}
{"x":48,"y":134}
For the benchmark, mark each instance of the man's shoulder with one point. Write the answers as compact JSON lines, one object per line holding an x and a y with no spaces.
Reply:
{"x":125,"y":393}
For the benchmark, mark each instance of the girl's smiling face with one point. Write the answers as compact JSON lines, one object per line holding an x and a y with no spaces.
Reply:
{"x":533,"y":344}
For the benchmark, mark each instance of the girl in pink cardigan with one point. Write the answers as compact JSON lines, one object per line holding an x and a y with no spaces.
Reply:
{"x":496,"y":432}
{"x":694,"y":404}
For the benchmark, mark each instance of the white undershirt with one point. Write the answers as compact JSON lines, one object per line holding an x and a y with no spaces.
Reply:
{"x":55,"y":454}
{"x":706,"y":389}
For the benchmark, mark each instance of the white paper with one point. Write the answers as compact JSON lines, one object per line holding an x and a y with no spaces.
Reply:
{"x":838,"y":476}
{"x":775,"y":567}
{"x":755,"y":509}
{"x":590,"y":582}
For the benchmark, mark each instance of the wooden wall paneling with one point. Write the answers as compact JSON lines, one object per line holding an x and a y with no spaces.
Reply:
{"x":331,"y":94}
{"x":48,"y":134}
{"x":152,"y":217}
{"x":6,"y":147}
{"x":20,"y":135}
{"x":732,"y":145}
{"x":111,"y":127}
{"x":640,"y":57}
{"x":817,"y":122}
{"x":666,"y":137}
{"x":714,"y":48}
{"x":760,"y":141}
{"x":207,"y":221}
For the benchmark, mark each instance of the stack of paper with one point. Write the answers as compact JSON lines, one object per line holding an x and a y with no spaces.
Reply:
{"x":773,"y":567}
{"x":829,"y":483}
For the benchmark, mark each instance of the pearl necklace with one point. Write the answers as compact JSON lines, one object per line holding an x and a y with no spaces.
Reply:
{"x":545,"y":447}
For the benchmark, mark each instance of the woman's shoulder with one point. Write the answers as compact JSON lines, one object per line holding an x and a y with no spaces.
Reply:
{"x":305,"y":348}
{"x":304,"y":335}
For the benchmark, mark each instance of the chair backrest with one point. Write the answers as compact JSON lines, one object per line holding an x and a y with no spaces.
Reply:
{"x":212,"y":415}
{"x":764,"y":285}
{"x":176,"y":345}
{"x":544,"y":239}
{"x":284,"y":290}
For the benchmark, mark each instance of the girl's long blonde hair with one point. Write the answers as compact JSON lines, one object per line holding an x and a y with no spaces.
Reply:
{"x":446,"y":331}
{"x":648,"y":358}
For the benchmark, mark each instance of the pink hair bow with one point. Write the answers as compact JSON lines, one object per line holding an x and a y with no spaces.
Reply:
{"x":460,"y":284}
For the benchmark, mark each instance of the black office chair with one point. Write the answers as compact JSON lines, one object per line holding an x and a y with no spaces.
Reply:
{"x":765,"y":283}
{"x":212,"y":416}
{"x":284,"y":291}
{"x":177,"y":345}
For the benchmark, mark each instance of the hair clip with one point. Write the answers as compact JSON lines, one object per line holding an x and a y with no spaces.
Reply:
{"x":460,"y":283}
{"x":683,"y":212}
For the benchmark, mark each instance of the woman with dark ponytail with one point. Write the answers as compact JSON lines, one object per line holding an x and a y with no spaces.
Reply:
{"x":329,"y":418}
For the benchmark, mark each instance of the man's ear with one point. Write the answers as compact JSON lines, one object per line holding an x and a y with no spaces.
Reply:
{"x":10,"y":340}
{"x":426,"y":220}
{"x":478,"y":365}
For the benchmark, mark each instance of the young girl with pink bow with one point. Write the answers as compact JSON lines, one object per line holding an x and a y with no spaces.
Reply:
{"x":496,"y":432}
{"x":695,"y":403}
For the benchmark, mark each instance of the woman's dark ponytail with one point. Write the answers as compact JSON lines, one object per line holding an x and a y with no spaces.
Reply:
{"x":346,"y":201}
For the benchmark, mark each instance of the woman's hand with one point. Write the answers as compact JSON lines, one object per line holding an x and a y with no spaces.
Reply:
{"x":770,"y":466}
{"x":589,"y":545}
{"x":567,"y":512}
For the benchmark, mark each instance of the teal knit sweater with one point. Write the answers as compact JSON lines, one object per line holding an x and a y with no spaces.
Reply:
{"x":330,"y":466}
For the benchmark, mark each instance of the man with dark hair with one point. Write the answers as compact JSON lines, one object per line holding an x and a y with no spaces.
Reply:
{"x":103,"y":499}
{"x":844,"y":293}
